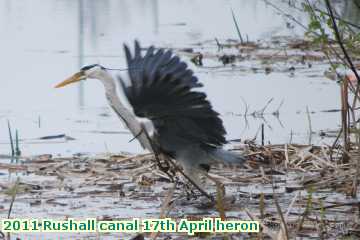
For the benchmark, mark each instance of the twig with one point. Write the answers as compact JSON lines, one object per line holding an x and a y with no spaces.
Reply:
{"x":340,"y":42}
{"x":237,"y":27}
{"x":283,"y":229}
{"x":262,"y":212}
{"x":13,"y":196}
{"x":338,"y":205}
{"x":334,"y":143}
{"x":344,"y":112}
{"x":166,"y":204}
{"x":165,"y":208}
{"x":291,"y":205}
{"x":256,"y":134}
{"x":322,"y":225}
{"x":356,"y":4}
{"x":285,"y":14}
{"x":219,"y":45}
{"x":12,"y":192}
{"x":220,"y":189}
{"x":314,"y":9}
{"x":306,"y":211}
{"x":309,"y":122}
{"x":356,"y":177}
{"x":262,"y":134}
{"x":302,"y":25}
{"x":286,"y":156}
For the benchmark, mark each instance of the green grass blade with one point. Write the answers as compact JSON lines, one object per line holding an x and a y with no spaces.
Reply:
{"x":11,"y":139}
{"x":17,"y":145}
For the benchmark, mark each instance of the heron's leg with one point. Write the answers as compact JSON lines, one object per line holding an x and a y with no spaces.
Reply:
{"x":170,"y":162}
{"x":157,"y":153}
{"x":163,"y":165}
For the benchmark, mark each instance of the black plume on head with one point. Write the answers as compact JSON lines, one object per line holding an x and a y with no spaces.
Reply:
{"x":87,"y":67}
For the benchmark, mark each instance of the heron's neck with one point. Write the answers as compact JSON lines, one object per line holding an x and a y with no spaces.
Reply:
{"x":114,"y":100}
{"x":122,"y":111}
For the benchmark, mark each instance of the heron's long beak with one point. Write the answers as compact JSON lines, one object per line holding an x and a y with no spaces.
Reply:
{"x":74,"y":78}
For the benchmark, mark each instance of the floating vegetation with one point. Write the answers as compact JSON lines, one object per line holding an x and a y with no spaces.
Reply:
{"x":304,"y":183}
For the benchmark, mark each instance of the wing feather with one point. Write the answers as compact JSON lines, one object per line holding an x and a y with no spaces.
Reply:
{"x":162,"y":90}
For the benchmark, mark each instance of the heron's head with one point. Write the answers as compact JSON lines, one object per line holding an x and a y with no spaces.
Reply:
{"x":89,"y":71}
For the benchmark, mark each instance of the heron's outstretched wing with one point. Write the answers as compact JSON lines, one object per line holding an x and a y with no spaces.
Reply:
{"x":162,"y":90}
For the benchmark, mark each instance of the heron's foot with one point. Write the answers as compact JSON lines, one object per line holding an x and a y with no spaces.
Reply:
{"x":165,"y":167}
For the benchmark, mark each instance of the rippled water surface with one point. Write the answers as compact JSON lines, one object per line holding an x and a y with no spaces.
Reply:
{"x":42,"y":42}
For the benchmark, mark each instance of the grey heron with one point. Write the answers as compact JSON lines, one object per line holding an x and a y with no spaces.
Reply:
{"x":161,"y":88}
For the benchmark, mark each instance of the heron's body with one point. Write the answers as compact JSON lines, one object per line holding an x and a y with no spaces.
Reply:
{"x":161,"y":89}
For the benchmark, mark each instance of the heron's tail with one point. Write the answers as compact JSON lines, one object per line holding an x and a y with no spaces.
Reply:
{"x":222,"y":155}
